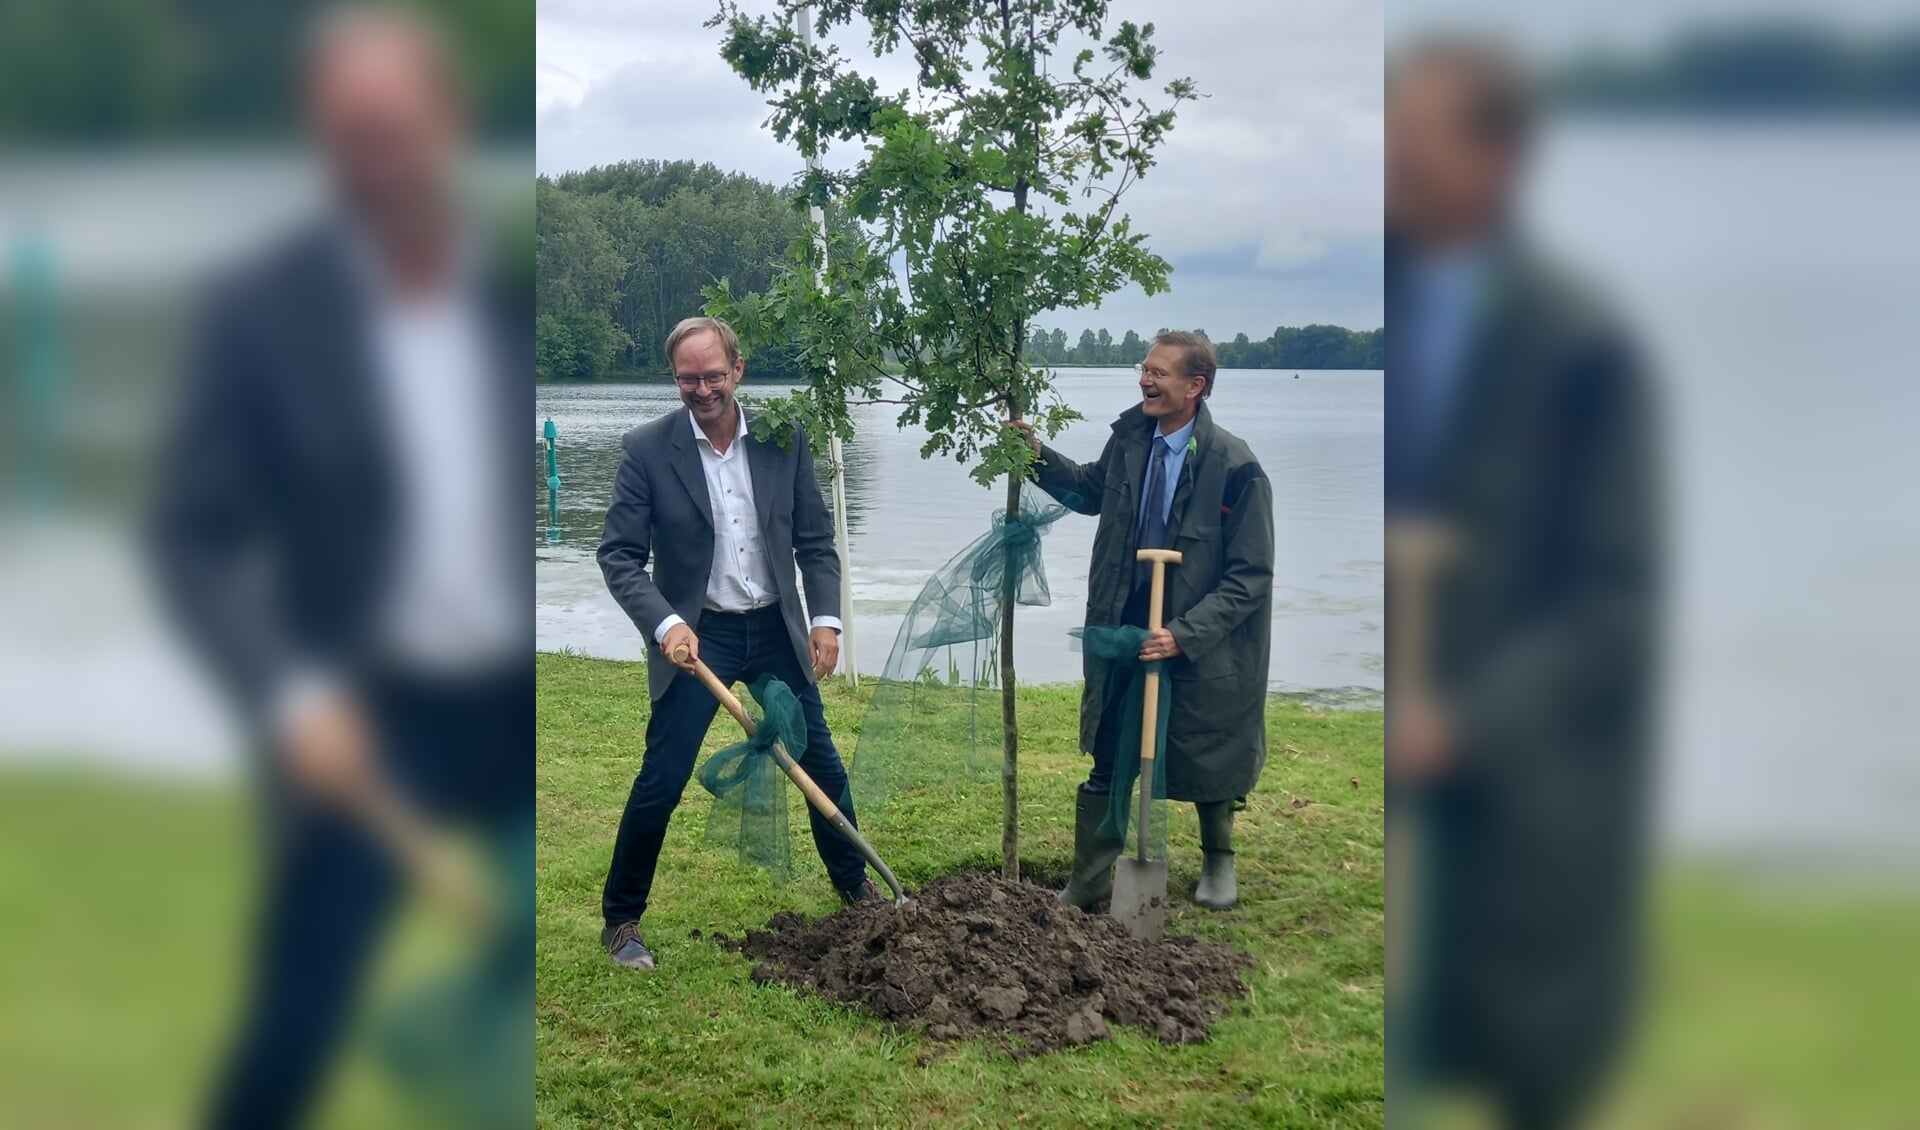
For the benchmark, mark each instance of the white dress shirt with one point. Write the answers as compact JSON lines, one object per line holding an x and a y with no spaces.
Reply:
{"x":741,"y":576}
{"x":454,"y":604}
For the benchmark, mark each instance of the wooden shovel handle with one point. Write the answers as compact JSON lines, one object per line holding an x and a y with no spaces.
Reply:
{"x":724,"y":694}
{"x":430,"y":859}
{"x":815,"y":797}
{"x":719,"y":690}
{"x":1150,"y":692}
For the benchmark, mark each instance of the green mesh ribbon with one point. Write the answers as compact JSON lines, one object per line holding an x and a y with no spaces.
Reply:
{"x":455,"y":1041}
{"x":1118,"y":646}
{"x":929,"y":728}
{"x":749,"y":812}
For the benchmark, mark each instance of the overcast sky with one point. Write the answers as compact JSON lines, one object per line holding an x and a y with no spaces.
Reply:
{"x":1266,"y":199}
{"x":1570,"y":27}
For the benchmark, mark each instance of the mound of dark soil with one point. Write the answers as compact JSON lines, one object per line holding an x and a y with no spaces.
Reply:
{"x":975,"y":954}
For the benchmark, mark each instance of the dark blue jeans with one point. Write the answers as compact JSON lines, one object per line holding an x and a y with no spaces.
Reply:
{"x":459,"y":751}
{"x":739,"y":648}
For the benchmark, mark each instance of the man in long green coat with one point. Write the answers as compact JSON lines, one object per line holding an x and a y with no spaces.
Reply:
{"x":1172,"y":478}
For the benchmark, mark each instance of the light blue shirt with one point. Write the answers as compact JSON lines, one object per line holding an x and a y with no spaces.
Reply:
{"x":1170,"y":464}
{"x":1445,"y":291}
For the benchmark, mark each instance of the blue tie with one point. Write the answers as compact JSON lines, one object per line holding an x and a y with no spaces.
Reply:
{"x":1153,"y":519}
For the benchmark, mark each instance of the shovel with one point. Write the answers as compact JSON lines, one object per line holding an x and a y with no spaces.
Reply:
{"x":1419,"y":553}
{"x":1140,"y":884}
{"x":448,"y":877}
{"x":797,"y":775}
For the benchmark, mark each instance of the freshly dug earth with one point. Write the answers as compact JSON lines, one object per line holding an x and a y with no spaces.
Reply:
{"x":976,"y":955}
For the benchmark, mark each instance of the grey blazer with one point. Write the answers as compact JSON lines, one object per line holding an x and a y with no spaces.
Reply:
{"x":661,"y":513}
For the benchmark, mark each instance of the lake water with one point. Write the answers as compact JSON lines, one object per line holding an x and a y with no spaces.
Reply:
{"x":1769,"y":272}
{"x":1317,"y":435}
{"x":1787,"y":358}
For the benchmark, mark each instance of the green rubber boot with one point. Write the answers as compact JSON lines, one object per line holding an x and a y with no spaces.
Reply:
{"x":1218,"y":889}
{"x":1093,"y":853}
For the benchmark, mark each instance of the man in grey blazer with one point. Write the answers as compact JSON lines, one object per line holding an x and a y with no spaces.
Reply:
{"x":724,"y":518}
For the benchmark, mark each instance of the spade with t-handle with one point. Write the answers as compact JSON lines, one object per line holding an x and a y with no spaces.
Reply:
{"x":1140,"y":884}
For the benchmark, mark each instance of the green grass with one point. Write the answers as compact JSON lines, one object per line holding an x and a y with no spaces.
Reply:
{"x":697,"y":1043}
{"x":88,"y":1036}
{"x":1775,"y":1004}
{"x":1770,"y":1005}
{"x":125,"y":906}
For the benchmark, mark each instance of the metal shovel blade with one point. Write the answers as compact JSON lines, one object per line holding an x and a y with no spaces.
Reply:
{"x":1140,"y":897}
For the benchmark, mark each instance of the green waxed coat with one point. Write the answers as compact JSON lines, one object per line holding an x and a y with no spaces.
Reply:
{"x":1219,"y":600}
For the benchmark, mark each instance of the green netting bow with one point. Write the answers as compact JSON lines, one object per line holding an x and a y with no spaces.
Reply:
{"x":1119,"y":646}
{"x":928,"y":728}
{"x":749,"y":810}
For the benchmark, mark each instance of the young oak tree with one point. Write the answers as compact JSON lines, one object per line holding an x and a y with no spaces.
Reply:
{"x":988,"y":191}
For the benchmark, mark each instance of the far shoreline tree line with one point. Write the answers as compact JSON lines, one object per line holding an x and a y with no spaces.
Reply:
{"x":624,"y":252}
{"x":1288,"y":347}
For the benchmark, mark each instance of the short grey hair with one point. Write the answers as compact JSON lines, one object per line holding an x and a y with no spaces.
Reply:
{"x":1197,"y":359}
{"x":690,"y":326}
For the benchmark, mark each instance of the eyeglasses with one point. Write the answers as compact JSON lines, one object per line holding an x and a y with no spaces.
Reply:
{"x":691,"y":381}
{"x":1156,"y":374}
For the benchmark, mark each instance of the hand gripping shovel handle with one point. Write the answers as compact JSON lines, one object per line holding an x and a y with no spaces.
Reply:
{"x":819,"y":800}
{"x":1150,"y":689}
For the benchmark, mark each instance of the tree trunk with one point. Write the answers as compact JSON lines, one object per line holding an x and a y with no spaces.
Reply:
{"x":1010,"y":763}
{"x":1010,"y":760}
